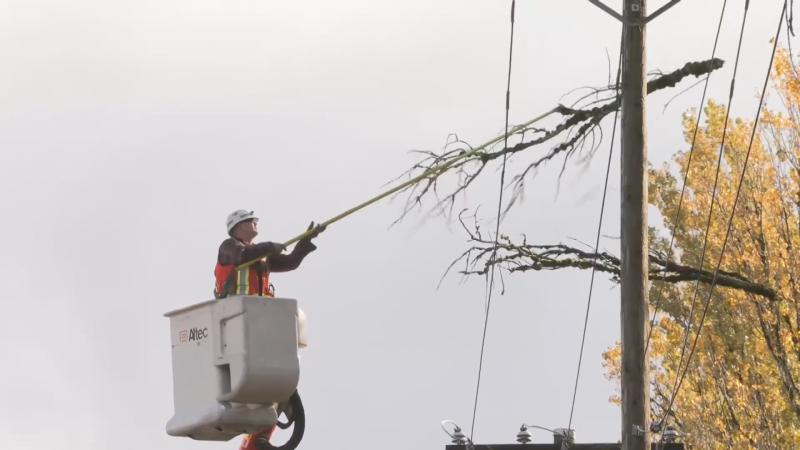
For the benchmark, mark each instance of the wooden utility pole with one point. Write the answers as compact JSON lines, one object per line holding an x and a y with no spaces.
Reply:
{"x":634,"y":251}
{"x":634,"y":239}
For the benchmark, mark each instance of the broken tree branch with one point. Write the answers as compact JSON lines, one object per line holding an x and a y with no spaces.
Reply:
{"x":577,"y":128}
{"x":522,"y":257}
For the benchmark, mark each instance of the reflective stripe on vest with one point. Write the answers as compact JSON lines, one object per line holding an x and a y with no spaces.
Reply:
{"x":243,"y":281}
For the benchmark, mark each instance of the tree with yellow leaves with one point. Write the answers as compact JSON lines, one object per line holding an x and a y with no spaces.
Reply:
{"x":742,"y":387}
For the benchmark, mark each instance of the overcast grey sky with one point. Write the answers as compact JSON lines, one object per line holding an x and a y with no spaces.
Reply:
{"x":129,"y":130}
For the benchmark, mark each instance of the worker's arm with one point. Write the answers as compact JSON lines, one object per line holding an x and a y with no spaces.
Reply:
{"x":287,"y":263}
{"x":234,"y":252}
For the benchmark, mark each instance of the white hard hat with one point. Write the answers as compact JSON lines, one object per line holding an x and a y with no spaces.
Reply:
{"x":240,"y":215}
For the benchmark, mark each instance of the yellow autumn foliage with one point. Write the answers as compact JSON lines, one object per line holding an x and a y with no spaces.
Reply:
{"x":742,"y":388}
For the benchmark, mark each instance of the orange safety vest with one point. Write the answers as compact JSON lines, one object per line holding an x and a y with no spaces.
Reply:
{"x":245,"y":281}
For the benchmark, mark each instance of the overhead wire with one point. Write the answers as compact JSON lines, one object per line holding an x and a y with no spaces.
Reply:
{"x":683,"y":191}
{"x":679,"y":381}
{"x":599,"y":228}
{"x":713,"y":190}
{"x":497,"y":228}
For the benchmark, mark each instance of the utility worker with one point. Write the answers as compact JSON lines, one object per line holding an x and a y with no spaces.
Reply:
{"x":254,"y":280}
{"x":239,"y":248}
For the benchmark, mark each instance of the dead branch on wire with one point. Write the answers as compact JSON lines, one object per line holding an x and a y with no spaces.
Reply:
{"x":578,"y":128}
{"x":522,"y":257}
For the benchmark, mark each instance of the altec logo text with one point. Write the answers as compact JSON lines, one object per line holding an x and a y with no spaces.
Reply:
{"x":195,"y":334}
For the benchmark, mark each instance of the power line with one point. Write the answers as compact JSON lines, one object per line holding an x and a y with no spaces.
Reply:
{"x":733,"y":211}
{"x":683,"y":190}
{"x":713,"y":191}
{"x":497,"y":229}
{"x":599,"y":228}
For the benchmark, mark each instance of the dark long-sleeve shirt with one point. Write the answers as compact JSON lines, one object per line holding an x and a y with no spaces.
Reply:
{"x":233,"y":251}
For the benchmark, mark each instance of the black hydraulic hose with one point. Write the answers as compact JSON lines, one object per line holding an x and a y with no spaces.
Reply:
{"x":298,"y":418}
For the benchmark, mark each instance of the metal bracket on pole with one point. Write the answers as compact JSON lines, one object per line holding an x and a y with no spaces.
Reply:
{"x":638,"y":431}
{"x":634,"y":22}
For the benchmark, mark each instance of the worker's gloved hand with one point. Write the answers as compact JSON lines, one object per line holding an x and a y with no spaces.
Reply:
{"x":305,"y":246}
{"x":319,"y":229}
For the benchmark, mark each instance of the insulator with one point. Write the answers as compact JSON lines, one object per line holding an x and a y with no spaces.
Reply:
{"x":524,"y":436}
{"x":459,"y":437}
{"x":670,"y":434}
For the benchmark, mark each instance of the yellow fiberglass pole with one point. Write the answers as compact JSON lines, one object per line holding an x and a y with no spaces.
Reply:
{"x":410,"y":182}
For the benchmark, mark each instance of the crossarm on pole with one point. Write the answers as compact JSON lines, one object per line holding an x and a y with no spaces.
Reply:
{"x":633,"y":22}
